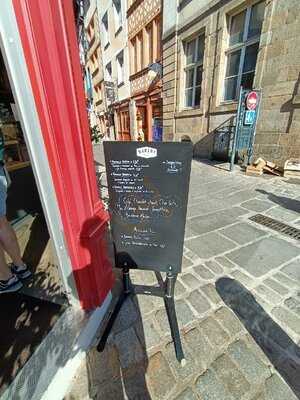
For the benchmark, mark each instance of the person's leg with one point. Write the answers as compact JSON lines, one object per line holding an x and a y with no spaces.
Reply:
{"x":9,"y":282}
{"x":10,"y":243}
{"x":5,"y":272}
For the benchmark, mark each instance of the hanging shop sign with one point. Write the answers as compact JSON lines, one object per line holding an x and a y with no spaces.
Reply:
{"x":110,"y":91}
{"x":148,"y":212}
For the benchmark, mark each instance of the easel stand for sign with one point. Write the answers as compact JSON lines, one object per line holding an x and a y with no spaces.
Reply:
{"x":166,"y":291}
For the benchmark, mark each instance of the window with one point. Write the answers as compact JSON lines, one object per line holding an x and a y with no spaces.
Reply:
{"x":194,"y":54}
{"x":120,"y":67}
{"x":244,"y":35}
{"x":108,"y":72}
{"x":98,"y":94}
{"x":117,"y":14}
{"x":149,"y":31}
{"x":133,"y":61}
{"x":140,"y":51}
{"x":158,"y":39}
{"x":137,"y":53}
{"x":89,"y":85}
{"x":105,"y":29}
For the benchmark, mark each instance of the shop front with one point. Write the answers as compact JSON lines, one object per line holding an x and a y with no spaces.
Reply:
{"x":149,"y":111}
{"x":123,"y":121}
{"x":146,"y":98}
{"x":53,"y":202}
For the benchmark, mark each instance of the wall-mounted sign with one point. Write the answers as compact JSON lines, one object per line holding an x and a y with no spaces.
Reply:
{"x":156,"y":68}
{"x":252,"y":100}
{"x":250,"y":117}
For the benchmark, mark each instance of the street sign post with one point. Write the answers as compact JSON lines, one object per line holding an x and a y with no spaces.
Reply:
{"x":252,"y":100}
{"x":250,"y":116}
{"x":248,"y":109}
{"x":148,"y":215}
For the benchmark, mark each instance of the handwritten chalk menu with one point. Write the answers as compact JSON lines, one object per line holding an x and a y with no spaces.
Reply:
{"x":148,"y":186}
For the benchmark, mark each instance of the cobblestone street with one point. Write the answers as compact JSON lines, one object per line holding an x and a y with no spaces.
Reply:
{"x":237,"y":301}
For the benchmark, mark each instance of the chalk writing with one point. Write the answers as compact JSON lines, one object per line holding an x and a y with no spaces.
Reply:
{"x":148,"y":190}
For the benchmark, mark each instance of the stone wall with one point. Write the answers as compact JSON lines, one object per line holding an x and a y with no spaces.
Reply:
{"x":277,"y":74}
{"x":169,"y":82}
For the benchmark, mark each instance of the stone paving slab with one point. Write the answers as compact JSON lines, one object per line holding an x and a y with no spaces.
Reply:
{"x":243,"y":233}
{"x":238,"y":306}
{"x":283,"y":215}
{"x":293,"y":270}
{"x":209,"y":245}
{"x":263,"y":256}
{"x":215,"y":220}
{"x":258,"y":205}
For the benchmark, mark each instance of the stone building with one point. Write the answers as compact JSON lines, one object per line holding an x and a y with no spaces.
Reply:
{"x":115,"y":58}
{"x":123,"y":67}
{"x":144,"y":37}
{"x":210,"y":49}
{"x":94,"y":77}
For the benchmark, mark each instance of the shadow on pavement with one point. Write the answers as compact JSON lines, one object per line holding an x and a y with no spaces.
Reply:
{"x":119,"y":371}
{"x":283,"y":353}
{"x":285,"y":202}
{"x":25,"y":321}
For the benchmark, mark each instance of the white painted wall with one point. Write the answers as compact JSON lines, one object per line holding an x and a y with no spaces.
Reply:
{"x":117,"y":42}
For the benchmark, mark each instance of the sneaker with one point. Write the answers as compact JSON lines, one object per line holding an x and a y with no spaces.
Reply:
{"x":12,"y":284}
{"x":21,"y":272}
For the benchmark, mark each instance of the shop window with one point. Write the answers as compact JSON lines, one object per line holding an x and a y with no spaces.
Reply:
{"x":108,"y":72}
{"x":194,"y":55}
{"x":105,"y":29}
{"x":120,"y":67}
{"x":117,"y":14}
{"x":244,"y":35}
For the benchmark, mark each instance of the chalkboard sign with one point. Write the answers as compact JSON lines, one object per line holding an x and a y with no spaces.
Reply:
{"x":148,"y":186}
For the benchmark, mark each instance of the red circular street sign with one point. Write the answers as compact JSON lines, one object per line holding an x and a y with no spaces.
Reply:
{"x":252,"y":101}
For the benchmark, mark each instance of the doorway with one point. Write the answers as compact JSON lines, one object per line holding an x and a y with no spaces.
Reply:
{"x":28,"y":315}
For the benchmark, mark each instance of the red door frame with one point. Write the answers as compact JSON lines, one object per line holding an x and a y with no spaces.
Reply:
{"x":49,"y":41}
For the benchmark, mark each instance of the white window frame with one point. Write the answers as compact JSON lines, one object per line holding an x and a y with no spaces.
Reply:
{"x":105,"y":29}
{"x":118,"y":17}
{"x":239,"y":46}
{"x":193,"y":66}
{"x":120,"y":70}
